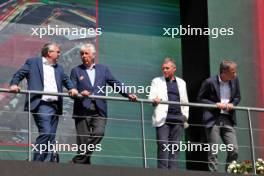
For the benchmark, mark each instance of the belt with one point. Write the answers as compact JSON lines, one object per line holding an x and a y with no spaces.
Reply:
{"x":49,"y":101}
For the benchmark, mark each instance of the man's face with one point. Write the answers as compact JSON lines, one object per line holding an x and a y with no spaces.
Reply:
{"x":87,"y":57}
{"x":54,"y":53}
{"x":231,"y":73}
{"x":168,"y":70}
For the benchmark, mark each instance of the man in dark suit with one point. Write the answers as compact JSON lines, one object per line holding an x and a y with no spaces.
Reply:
{"x":90,"y":115}
{"x":44,"y":74}
{"x":223,"y":91}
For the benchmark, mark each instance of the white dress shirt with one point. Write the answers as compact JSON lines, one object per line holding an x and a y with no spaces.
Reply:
{"x":91,"y":73}
{"x":225,"y":93}
{"x":50,"y":84}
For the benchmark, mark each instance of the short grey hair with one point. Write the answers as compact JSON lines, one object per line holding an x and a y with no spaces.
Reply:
{"x":171,"y":60}
{"x":47,"y":47}
{"x":225,"y":65}
{"x":88,"y":46}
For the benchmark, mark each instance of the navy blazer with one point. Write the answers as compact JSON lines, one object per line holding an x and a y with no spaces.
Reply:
{"x":210,"y":94}
{"x":82,"y":82}
{"x":32,"y":70}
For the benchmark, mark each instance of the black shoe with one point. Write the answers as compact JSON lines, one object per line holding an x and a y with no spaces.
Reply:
{"x":55,"y":158}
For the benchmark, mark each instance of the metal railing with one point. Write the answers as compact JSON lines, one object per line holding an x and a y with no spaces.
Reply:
{"x":141,"y":101}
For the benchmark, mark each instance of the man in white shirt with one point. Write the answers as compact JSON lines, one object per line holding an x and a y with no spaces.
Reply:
{"x":223,"y":91}
{"x":44,"y":74}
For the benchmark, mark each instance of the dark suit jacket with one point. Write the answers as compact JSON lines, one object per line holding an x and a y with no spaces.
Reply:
{"x":82,"y":82}
{"x":210,"y":94}
{"x":32,"y":70}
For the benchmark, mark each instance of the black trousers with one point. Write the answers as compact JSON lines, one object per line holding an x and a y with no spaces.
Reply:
{"x":90,"y":128}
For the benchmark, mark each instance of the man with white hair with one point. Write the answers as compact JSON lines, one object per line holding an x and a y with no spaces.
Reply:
{"x":90,"y":115}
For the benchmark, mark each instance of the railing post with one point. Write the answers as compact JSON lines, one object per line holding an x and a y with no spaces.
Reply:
{"x":252,"y":142}
{"x":29,"y":127}
{"x":143,"y":135}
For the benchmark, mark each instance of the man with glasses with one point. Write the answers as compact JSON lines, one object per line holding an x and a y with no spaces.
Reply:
{"x":44,"y":74}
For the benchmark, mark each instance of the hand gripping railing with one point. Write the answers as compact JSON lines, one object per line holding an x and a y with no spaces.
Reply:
{"x":141,"y":101}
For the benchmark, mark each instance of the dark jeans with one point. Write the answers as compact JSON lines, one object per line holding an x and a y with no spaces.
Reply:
{"x":47,"y":121}
{"x":90,"y":129}
{"x":168,"y":134}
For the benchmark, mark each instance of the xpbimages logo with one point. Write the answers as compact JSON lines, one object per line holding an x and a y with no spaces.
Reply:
{"x":65,"y":31}
{"x":190,"y":147}
{"x":212,"y":32}
{"x":123,"y":89}
{"x":83,"y":148}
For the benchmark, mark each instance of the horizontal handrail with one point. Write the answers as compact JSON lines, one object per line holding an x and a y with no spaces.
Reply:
{"x":63,"y":94}
{"x":141,"y":101}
